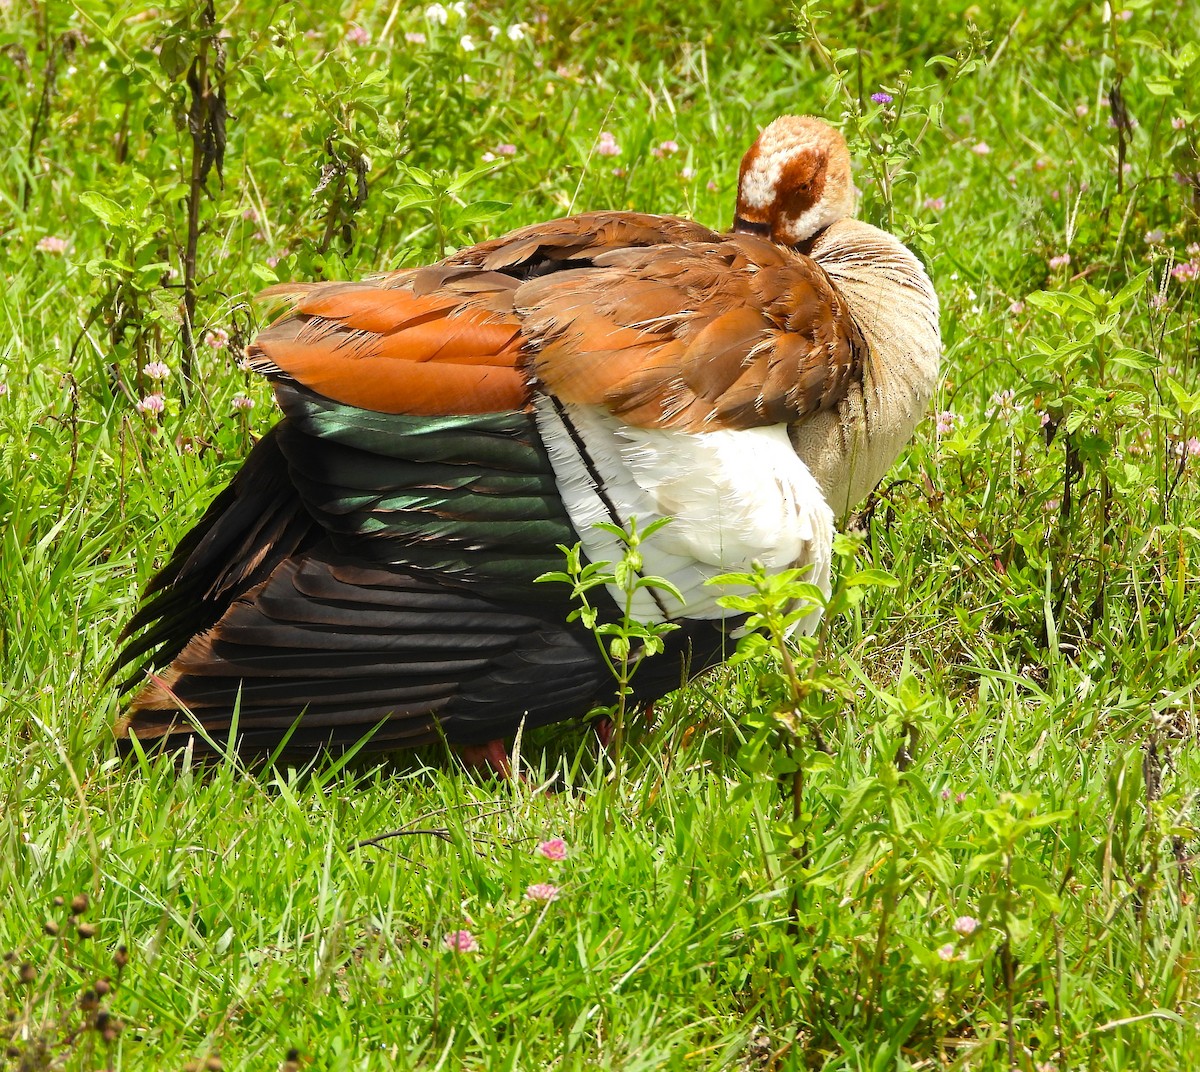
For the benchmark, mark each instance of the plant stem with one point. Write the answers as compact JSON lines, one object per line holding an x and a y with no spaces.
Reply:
{"x":1059,"y":968}
{"x":206,"y":124}
{"x":198,"y":78}
{"x":800,"y":852}
{"x":332,"y":217}
{"x":39,"y":117}
{"x":1006,"y":963}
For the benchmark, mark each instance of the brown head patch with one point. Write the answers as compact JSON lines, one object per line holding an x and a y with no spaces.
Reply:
{"x":801,"y":183}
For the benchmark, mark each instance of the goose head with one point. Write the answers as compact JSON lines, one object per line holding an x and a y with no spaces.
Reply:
{"x":794,"y":181}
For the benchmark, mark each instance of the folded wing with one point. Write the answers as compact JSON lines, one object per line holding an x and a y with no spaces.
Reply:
{"x":375,"y":559}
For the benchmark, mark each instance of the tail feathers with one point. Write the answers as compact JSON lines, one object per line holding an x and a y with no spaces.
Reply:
{"x":414,"y":662}
{"x":252,"y":526}
{"x":343,"y":648}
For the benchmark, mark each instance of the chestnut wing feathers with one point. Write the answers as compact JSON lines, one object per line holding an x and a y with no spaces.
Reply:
{"x":696,"y":332}
{"x":551,"y":246}
{"x":736,"y":333}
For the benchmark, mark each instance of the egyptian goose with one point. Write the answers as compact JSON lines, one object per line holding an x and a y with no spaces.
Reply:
{"x":371,"y":569}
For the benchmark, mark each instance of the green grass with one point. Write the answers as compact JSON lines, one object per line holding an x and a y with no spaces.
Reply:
{"x":1046,"y":656}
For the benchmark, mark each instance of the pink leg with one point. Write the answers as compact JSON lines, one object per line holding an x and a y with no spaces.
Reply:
{"x":604,"y":726}
{"x":604,"y":731}
{"x":488,"y":756}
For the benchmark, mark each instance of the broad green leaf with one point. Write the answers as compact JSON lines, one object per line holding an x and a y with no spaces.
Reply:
{"x":480,"y":210}
{"x":104,"y":207}
{"x":873,"y":577}
{"x":176,"y":54}
{"x":1187,"y":402}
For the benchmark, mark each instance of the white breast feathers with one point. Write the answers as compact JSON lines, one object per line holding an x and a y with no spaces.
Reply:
{"x":734,"y":497}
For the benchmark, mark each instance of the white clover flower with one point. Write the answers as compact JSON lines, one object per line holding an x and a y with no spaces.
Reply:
{"x":606,"y":145}
{"x":966,"y":925}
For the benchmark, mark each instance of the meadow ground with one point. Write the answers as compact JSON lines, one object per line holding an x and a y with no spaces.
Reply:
{"x":993,"y":863}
